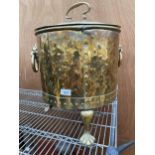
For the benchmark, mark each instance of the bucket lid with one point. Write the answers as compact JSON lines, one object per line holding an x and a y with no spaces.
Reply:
{"x":77,"y":26}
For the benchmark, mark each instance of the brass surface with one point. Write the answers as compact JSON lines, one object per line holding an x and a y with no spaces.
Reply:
{"x":77,"y":5}
{"x":83,"y":62}
{"x":120,"y":56}
{"x":77,"y":26}
{"x":87,"y":138}
{"x":34,"y":59}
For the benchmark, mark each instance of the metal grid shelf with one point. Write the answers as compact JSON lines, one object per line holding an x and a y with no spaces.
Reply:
{"x":57,"y":132}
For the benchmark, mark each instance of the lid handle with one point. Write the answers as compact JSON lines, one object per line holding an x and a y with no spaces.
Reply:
{"x":77,"y":5}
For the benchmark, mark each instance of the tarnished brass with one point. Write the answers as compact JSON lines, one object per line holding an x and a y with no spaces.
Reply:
{"x":34,"y":59}
{"x":83,"y":63}
{"x":78,"y":63}
{"x":77,"y":5}
{"x":120,"y":56}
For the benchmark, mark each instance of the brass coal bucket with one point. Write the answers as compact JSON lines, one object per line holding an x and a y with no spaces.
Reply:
{"x":78,"y":63}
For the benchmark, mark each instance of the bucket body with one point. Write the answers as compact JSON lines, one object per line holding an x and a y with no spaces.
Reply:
{"x":78,"y":68}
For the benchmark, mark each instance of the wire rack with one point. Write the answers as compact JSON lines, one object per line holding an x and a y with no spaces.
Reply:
{"x":57,"y":132}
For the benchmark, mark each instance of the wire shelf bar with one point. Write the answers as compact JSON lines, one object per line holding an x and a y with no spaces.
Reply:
{"x":57,"y":132}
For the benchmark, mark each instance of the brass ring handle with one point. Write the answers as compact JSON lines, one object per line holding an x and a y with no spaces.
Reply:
{"x":34,"y":59}
{"x":77,"y":5}
{"x":120,"y":56}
